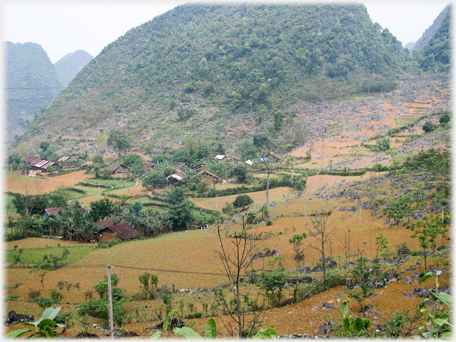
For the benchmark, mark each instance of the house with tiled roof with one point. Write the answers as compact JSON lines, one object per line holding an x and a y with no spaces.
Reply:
{"x":116,"y":168}
{"x":121,"y":231}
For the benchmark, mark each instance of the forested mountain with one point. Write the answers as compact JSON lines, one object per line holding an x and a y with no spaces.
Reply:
{"x":198,"y":67}
{"x":410,"y":45}
{"x":436,"y":54}
{"x":69,"y":65}
{"x":31,"y":85}
{"x":429,"y":33}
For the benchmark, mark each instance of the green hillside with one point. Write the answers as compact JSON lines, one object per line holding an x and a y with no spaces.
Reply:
{"x":436,"y":55}
{"x":69,"y":65}
{"x":31,"y":85}
{"x":196,"y":68}
{"x":431,"y":30}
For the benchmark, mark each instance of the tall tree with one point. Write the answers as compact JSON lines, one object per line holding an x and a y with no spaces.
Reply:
{"x":119,"y":140}
{"x":269,"y":162}
{"x":236,"y":261}
{"x":322,"y":236}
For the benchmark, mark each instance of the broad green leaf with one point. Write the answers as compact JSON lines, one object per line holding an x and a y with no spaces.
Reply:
{"x":45,"y":322}
{"x":346,"y":325}
{"x":48,"y":332}
{"x":188,"y":333}
{"x":440,"y":321}
{"x":17,"y":333}
{"x":156,"y":335}
{"x":54,"y":313}
{"x":265,"y":334}
{"x":165,"y":326}
{"x":444,"y":297}
{"x":211,"y":329}
{"x":426,"y":276}
{"x":47,"y":313}
{"x":344,"y":310}
{"x":446,"y":336}
{"x":367,"y":323}
{"x":359,"y":324}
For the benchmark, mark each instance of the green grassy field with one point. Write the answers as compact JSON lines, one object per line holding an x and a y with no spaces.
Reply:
{"x":118,"y":183}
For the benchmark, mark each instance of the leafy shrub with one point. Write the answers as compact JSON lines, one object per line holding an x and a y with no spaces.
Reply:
{"x":302,"y":292}
{"x":428,"y":127}
{"x":44,"y":302}
{"x":445,"y":118}
{"x":11,"y":297}
{"x":99,"y":308}
{"x":34,"y":294}
{"x":242,"y":201}
{"x":74,"y":189}
{"x":61,"y":319}
{"x":56,"y":296}
{"x":113,"y":242}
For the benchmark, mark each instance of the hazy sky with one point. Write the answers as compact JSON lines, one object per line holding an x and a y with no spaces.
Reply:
{"x":67,"y":25}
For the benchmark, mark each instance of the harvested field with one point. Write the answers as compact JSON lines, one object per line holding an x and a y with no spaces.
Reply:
{"x":15,"y":182}
{"x":258,"y":197}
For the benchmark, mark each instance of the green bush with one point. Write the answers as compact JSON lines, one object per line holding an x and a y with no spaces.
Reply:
{"x":242,"y":201}
{"x":445,"y":118}
{"x":61,"y":319}
{"x":44,"y":302}
{"x":34,"y":294}
{"x":56,"y":296}
{"x":99,"y":308}
{"x":428,"y":127}
{"x":113,"y":242}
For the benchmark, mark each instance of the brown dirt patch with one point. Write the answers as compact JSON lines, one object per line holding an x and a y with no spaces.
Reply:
{"x":32,"y":185}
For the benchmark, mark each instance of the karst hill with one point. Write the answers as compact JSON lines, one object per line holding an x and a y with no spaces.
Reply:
{"x":193,"y":69}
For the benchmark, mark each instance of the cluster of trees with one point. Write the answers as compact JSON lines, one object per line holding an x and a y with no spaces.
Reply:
{"x":79,"y":225}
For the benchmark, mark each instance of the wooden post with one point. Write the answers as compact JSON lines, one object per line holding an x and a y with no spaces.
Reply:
{"x":111,"y":323}
{"x":66,"y":326}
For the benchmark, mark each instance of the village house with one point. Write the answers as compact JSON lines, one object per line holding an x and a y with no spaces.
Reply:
{"x":39,"y":165}
{"x":75,"y":159}
{"x":121,"y":231}
{"x":55,"y":211}
{"x":198,"y":167}
{"x":210,"y":175}
{"x":177,"y":175}
{"x":32,"y":160}
{"x":109,"y":222}
{"x":148,"y":165}
{"x":117,"y":168}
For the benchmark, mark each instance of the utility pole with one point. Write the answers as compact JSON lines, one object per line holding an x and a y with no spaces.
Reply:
{"x":111,"y":328}
{"x":360,"y":216}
